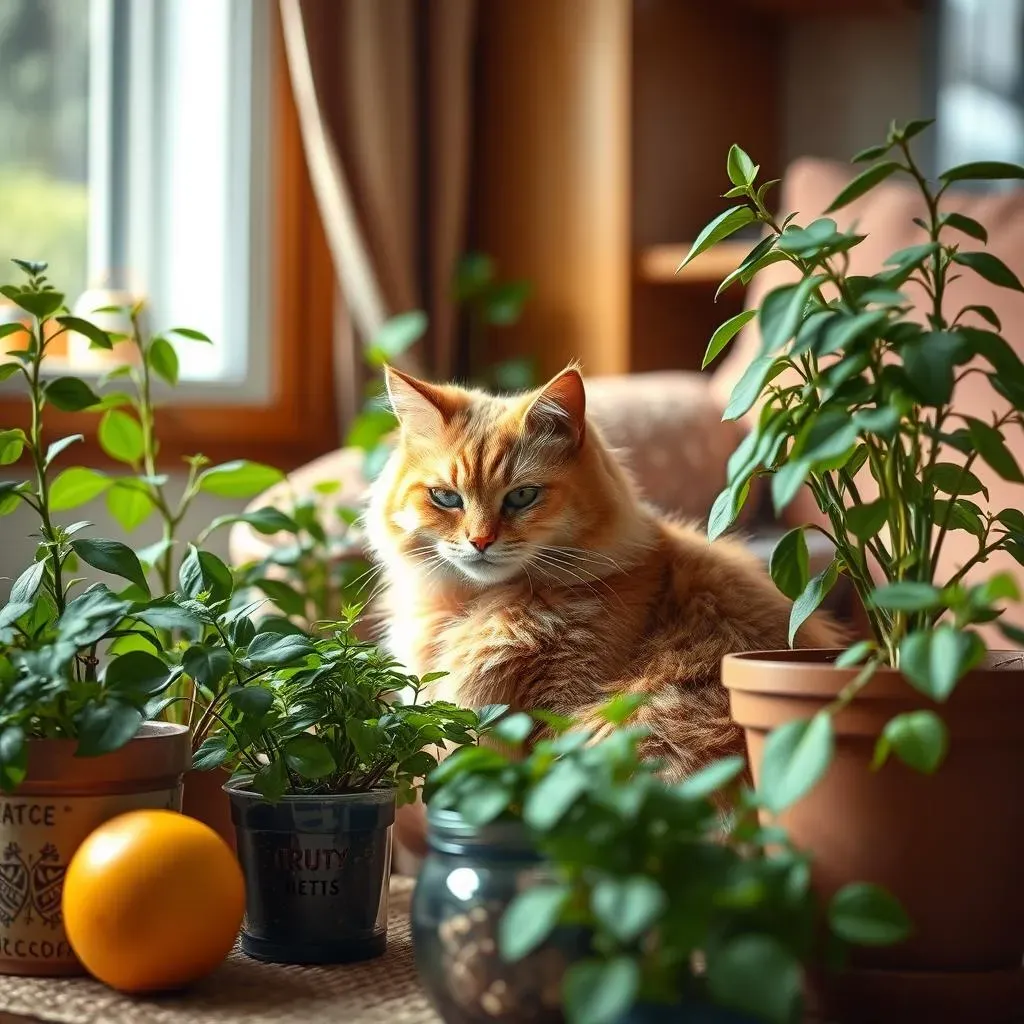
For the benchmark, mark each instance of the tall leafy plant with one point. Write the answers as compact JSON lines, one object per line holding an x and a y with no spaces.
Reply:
{"x":858,"y":373}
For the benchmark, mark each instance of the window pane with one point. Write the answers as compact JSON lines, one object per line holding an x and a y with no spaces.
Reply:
{"x":44,"y":97}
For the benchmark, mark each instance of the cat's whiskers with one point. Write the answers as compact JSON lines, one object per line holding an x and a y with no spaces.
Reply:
{"x":561,"y":567}
{"x":585,"y":554}
{"x":558,"y":557}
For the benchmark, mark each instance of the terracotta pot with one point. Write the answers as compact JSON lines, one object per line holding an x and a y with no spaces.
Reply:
{"x":948,"y":845}
{"x":61,"y":801}
{"x":204,"y":799}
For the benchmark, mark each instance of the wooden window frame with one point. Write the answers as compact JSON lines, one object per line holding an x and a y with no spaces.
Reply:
{"x":298,"y":421}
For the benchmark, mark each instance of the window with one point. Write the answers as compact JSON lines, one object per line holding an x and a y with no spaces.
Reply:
{"x":154,"y":150}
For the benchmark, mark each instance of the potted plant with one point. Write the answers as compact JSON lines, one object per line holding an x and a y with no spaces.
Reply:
{"x":75,"y":744}
{"x":572,"y":879}
{"x":323,"y":746}
{"x":856,"y":381}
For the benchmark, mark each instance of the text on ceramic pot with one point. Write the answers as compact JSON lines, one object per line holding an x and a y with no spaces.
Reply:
{"x":27,"y":814}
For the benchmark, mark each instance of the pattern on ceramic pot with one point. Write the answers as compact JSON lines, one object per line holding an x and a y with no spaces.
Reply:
{"x":38,"y":837}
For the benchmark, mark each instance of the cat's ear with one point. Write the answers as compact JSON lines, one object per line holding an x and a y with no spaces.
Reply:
{"x":419,"y":406}
{"x":560,"y":407}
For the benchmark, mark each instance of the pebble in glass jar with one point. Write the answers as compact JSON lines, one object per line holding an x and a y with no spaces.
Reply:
{"x":468,"y":879}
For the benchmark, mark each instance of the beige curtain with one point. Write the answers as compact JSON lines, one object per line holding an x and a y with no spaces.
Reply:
{"x":383,"y":90}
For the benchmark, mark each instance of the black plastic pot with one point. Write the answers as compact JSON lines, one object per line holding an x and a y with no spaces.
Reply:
{"x":316,"y":871}
{"x":683,"y":1013}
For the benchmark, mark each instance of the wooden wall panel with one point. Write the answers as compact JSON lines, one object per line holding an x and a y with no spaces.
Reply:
{"x":552,"y":197}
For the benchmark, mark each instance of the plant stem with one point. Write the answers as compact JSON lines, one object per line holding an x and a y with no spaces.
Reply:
{"x":35,"y":446}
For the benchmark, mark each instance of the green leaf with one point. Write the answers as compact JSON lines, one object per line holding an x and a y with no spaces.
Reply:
{"x":191,"y":334}
{"x":265,"y":520}
{"x":137,"y":674}
{"x":600,"y":991}
{"x":740,"y":167}
{"x":951,"y":479}
{"x":12,"y":611}
{"x":114,"y":557}
{"x":252,"y":700}
{"x":867,"y":915}
{"x":959,"y":515}
{"x":782,"y":311}
{"x":919,"y":739}
{"x":70,"y":394}
{"x":627,"y":907}
{"x":987,"y":313}
{"x":907,"y":596}
{"x":843,"y":331}
{"x":12,"y":444}
{"x":278,"y":649}
{"x":760,"y":371}
{"x":712,"y":778}
{"x":166,"y":615}
{"x":549,"y":800}
{"x":725,"y":224}
{"x":97,"y":338}
{"x":206,"y":665}
{"x":912,"y":255}
{"x":530,"y":919}
{"x":25,"y":586}
{"x":163,"y":360}
{"x":204,"y":573}
{"x":284,"y":595}
{"x":13,"y":757}
{"x":129,"y":504}
{"x":8,"y":369}
{"x":855,"y":654}
{"x":622,"y":707}
{"x":790,"y":564}
{"x":967,"y":225}
{"x":755,"y":975}
{"x":864,"y":521}
{"x":514,"y":729}
{"x":40,"y":304}
{"x":990,"y":267}
{"x":474,"y":272}
{"x":796,"y":756}
{"x":504,"y":304}
{"x":120,"y":436}
{"x":929,"y":361}
{"x":104,"y":728}
{"x":59,"y":446}
{"x":871,"y":153}
{"x":725,"y":333}
{"x":815,"y":592}
{"x":309,"y":757}
{"x":989,"y":442}
{"x":864,"y":182}
{"x":212,"y":753}
{"x":369,"y":428}
{"x":915,"y":127}
{"x":90,"y":616}
{"x":725,"y":509}
{"x":933,"y":660}
{"x":396,"y":336}
{"x":239,"y":479}
{"x":271,"y":781}
{"x":75,"y":486}
{"x":983,"y":170}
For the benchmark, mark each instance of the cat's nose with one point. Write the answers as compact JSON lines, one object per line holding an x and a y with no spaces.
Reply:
{"x":483,"y":542}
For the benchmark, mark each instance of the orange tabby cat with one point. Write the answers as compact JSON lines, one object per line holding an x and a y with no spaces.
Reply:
{"x":520,"y":558}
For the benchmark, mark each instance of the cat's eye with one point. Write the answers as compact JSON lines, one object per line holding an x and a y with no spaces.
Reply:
{"x":445,"y":498}
{"x":521,"y":497}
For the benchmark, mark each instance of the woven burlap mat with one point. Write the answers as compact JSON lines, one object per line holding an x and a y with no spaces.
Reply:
{"x":382,"y":991}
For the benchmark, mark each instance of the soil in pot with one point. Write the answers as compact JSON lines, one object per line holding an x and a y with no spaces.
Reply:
{"x":316,"y":871}
{"x":203,"y":798}
{"x":948,"y":845}
{"x":62,"y":800}
{"x":468,"y":879}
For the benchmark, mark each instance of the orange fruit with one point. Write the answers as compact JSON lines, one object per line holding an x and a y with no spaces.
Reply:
{"x":153,"y":900}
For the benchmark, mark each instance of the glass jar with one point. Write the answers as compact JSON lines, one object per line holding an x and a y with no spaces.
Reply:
{"x":468,"y":878}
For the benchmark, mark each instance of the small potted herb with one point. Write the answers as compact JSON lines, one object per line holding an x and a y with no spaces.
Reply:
{"x":323,"y":751}
{"x":80,"y":671}
{"x":856,"y":382}
{"x":686,"y":918}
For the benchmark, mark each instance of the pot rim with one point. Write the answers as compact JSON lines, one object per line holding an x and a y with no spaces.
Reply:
{"x":379,"y":795}
{"x":159,"y":750}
